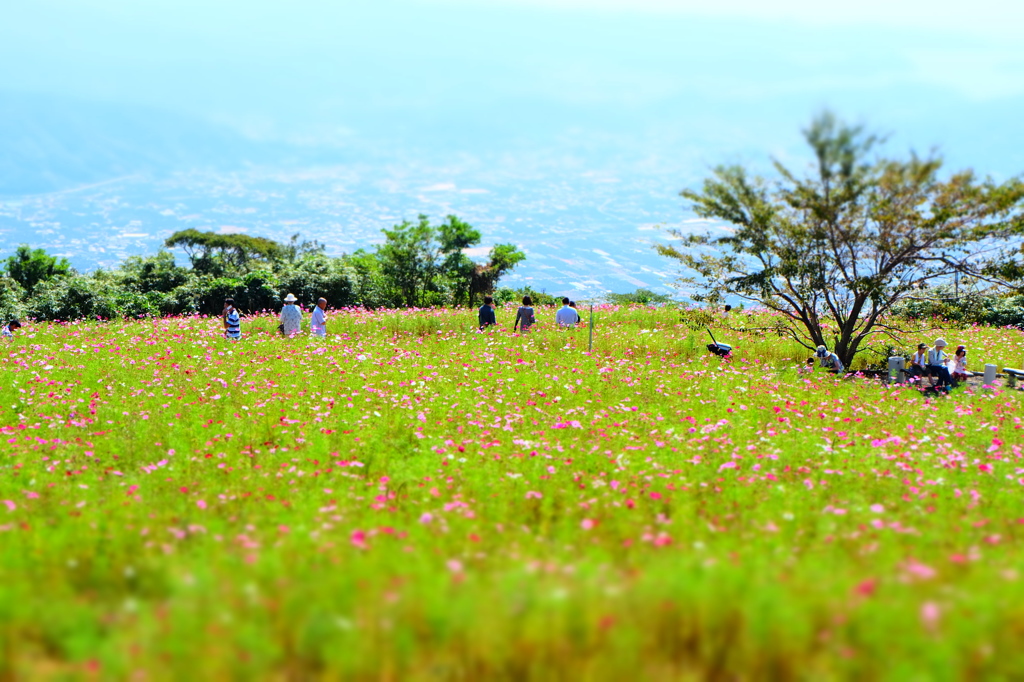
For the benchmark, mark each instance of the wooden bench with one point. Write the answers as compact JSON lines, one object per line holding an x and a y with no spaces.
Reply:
{"x":1013,"y":375}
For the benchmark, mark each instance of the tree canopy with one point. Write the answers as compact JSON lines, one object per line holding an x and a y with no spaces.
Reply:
{"x":427,"y":264}
{"x":834,"y":250}
{"x":214,"y":252}
{"x":28,"y":267}
{"x":419,"y":264}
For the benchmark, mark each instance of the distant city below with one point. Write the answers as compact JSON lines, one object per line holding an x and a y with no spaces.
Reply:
{"x":569,"y":132}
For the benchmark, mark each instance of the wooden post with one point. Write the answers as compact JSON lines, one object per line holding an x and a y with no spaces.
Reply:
{"x":590,"y":346}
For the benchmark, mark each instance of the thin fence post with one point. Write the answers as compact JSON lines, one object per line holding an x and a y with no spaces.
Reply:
{"x":590,"y":346}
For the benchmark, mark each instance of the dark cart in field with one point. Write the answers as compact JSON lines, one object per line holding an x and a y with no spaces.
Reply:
{"x":719,"y":349}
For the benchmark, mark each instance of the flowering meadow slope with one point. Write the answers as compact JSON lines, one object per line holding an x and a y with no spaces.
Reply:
{"x":412,"y":499}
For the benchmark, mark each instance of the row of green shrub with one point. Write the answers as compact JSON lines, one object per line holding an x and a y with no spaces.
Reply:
{"x":972,"y":308}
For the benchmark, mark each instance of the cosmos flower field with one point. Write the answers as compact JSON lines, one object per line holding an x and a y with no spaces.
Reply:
{"x":412,"y":499}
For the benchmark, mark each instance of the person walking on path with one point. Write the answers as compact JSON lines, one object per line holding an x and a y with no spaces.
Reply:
{"x":485,"y":316}
{"x":232,"y":320}
{"x":829,"y":361}
{"x":318,"y":320}
{"x":524,"y":316}
{"x":566,"y":316}
{"x":291,"y":316}
{"x":937,"y":360}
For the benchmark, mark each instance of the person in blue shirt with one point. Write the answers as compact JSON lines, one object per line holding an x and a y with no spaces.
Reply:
{"x":485,"y":316}
{"x":9,"y":328}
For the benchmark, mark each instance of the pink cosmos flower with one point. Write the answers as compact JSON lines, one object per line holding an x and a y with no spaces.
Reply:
{"x":930,"y":614}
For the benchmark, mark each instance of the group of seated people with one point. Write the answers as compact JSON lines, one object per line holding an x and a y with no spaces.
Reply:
{"x":934,"y":362}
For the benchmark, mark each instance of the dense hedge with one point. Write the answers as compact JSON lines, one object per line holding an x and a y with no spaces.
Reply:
{"x":997,"y":311}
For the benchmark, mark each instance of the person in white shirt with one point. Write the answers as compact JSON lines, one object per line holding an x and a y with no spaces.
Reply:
{"x":960,"y":372}
{"x":566,"y":316}
{"x":919,"y":362}
{"x":829,"y":361}
{"x":291,"y":316}
{"x":937,"y":360}
{"x":318,"y":320}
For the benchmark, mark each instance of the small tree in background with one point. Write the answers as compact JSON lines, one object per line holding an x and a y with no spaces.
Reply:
{"x":424,"y":262}
{"x":226,"y":254}
{"x":28,"y":267}
{"x":837,"y":249}
{"x":501,"y":260}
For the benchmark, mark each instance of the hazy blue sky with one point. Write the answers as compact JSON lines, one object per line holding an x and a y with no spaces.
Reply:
{"x":523,"y":96}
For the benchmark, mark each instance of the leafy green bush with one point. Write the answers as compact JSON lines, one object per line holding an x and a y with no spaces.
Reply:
{"x":12,"y":296}
{"x":999,"y":311}
{"x":72,"y":298}
{"x":319,"y":276}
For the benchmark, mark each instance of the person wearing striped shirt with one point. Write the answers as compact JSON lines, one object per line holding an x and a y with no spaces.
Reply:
{"x":232,"y":320}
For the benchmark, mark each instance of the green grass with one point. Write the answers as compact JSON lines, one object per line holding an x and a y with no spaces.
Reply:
{"x":409,"y":499}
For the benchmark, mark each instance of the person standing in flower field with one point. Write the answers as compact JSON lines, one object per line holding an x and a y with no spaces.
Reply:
{"x":829,"y":360}
{"x":232,"y":320}
{"x":566,"y":316}
{"x":485,"y":316}
{"x":318,"y":320}
{"x":291,"y":316}
{"x":937,"y":360}
{"x":524,"y":316}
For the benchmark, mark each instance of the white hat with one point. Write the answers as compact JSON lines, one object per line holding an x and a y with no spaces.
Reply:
{"x":940,"y":343}
{"x":821,"y":351}
{"x":290,"y":298}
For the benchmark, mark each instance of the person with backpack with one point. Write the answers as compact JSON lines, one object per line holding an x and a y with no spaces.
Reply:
{"x":524,"y":316}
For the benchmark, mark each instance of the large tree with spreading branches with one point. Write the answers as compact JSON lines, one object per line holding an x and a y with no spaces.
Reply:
{"x":834,"y":250}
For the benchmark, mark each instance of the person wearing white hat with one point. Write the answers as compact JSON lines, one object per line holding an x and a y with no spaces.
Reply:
{"x":291,"y":316}
{"x":829,"y":361}
{"x":937,"y":360}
